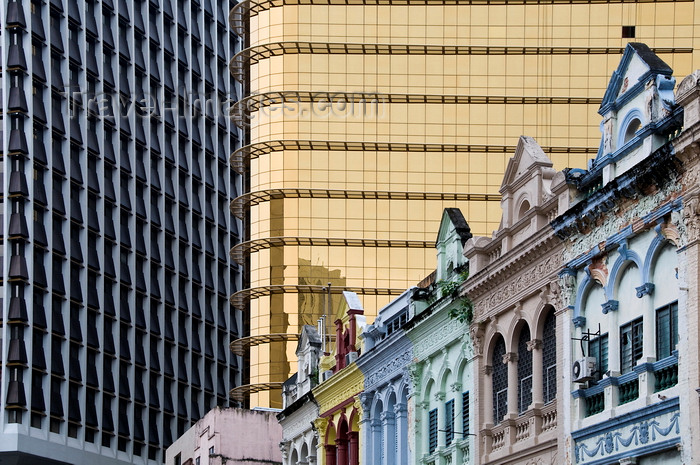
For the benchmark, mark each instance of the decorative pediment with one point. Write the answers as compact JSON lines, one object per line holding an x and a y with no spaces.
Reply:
{"x":639,"y":113}
{"x":309,"y":338}
{"x":637,"y":65}
{"x":453,"y":233}
{"x":453,"y":223}
{"x":528,"y":156}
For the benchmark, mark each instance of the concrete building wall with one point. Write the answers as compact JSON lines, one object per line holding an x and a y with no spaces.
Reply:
{"x":229,"y":436}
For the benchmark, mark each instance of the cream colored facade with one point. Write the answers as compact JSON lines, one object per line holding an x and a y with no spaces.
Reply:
{"x":364,"y":120}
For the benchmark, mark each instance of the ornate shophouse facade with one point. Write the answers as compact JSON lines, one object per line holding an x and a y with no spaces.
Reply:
{"x":629,"y":280}
{"x":442,"y":372}
{"x":513,"y":284}
{"x":340,"y":410}
{"x":578,"y":342}
{"x":387,"y":353}
{"x":299,"y":439}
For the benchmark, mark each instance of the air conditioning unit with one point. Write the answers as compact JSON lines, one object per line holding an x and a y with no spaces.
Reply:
{"x":583,"y":369}
{"x":350,"y":357}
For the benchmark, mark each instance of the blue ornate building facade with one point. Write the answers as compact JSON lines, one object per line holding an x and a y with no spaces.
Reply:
{"x":621,"y":280}
{"x":387,"y":353}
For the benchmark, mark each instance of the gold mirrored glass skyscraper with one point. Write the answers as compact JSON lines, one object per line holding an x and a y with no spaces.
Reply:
{"x":365,"y":118}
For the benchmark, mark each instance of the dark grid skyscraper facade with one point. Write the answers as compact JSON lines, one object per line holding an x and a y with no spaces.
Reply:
{"x":115,"y":320}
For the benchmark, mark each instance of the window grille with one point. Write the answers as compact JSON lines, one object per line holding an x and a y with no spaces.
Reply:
{"x":666,"y":330}
{"x":524,"y":371}
{"x":549,"y":358}
{"x":449,"y":421}
{"x":631,"y":344}
{"x":598,"y":349}
{"x":465,"y":414}
{"x":500,"y":382}
{"x":432,"y":430}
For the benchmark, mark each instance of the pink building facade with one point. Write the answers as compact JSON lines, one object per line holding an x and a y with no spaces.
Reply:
{"x":229,"y":436}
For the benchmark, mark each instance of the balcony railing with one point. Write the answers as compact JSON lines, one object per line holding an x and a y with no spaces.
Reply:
{"x":666,"y":372}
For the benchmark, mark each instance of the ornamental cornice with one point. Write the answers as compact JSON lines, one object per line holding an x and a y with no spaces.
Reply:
{"x":382,"y":354}
{"x":617,"y":218}
{"x":424,"y":347}
{"x":340,"y":387}
{"x":527,"y":282}
{"x":495,"y":274}
{"x":387,"y":370}
{"x":300,"y":422}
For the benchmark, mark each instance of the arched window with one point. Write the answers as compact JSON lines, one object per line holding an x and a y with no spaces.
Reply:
{"x":524,"y":371}
{"x":632,"y":128}
{"x":549,"y":358}
{"x":524,"y":207}
{"x":500,"y":381}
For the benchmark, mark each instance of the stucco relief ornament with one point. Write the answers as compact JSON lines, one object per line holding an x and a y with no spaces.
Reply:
{"x":321,"y":425}
{"x":568,"y":287}
{"x":555,"y":295}
{"x":691,"y":221}
{"x":414,"y":373}
{"x":406,"y":378}
{"x":476,"y":332}
{"x":284,"y":448}
{"x":362,"y":404}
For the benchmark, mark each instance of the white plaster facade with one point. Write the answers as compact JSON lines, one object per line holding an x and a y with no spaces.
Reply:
{"x":387,"y":354}
{"x":442,"y":404}
{"x":622,"y":278}
{"x":228,"y":436}
{"x":300,"y":441}
{"x":517,"y":328}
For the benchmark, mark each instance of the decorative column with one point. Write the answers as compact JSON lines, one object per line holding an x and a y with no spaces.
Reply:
{"x":354,"y":447}
{"x":535,"y":346}
{"x":647,"y":380}
{"x":330,"y":454}
{"x":365,"y":400}
{"x":511,"y":359}
{"x":440,"y":399}
{"x":321,"y":425}
{"x":388,"y":427}
{"x":375,"y":446}
{"x":400,"y":412}
{"x":341,"y":445}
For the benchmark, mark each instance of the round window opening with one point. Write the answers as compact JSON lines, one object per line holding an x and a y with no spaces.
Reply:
{"x":632,"y":128}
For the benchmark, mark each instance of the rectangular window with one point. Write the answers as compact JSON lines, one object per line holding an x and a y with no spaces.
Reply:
{"x":631,"y":344}
{"x":432,"y":430}
{"x":666,"y":330}
{"x":178,"y":460}
{"x":465,"y":414}
{"x":449,"y":421}
{"x":598,"y":349}
{"x":628,"y":32}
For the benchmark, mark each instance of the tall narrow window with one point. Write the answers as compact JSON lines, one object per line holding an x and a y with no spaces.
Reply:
{"x":465,"y":415}
{"x":500,"y":382}
{"x":449,"y":421}
{"x":598,"y":349}
{"x":524,"y":371}
{"x":432,"y":430}
{"x":666,"y":330}
{"x":631,"y":344}
{"x":549,"y":358}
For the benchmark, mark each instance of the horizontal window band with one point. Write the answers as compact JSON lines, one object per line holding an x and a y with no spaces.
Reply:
{"x":255,"y":102}
{"x":253,"y":55}
{"x":242,"y":297}
{"x":240,"y":250}
{"x":241,"y":393}
{"x":247,"y":8}
{"x":241,"y":204}
{"x":242,"y":156}
{"x":239,"y":346}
